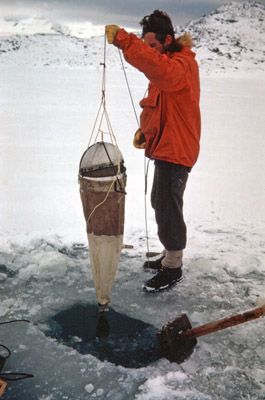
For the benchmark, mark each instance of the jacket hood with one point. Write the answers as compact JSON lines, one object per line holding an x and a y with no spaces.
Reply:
{"x":185,"y":40}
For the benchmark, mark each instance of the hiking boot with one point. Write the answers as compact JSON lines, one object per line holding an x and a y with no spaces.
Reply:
{"x":165,"y":278}
{"x":155,"y":265}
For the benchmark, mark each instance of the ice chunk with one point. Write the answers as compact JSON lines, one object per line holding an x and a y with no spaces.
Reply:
{"x":89,"y":388}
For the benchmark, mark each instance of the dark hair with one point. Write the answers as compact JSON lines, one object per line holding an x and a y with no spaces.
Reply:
{"x":160,"y":23}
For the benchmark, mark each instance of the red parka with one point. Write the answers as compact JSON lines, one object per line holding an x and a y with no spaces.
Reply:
{"x":170,"y":120}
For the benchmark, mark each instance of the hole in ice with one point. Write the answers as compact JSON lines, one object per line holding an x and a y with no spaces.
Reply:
{"x":110,"y":336}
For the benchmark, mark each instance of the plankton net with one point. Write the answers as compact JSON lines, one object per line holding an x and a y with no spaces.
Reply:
{"x":102,"y":181}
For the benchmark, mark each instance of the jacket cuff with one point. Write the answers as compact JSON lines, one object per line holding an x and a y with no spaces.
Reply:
{"x":120,"y":37}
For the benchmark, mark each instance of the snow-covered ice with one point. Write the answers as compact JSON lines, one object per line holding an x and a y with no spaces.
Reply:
{"x":47,"y":114}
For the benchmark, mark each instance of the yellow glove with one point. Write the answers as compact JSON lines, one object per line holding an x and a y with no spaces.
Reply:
{"x":139,"y":140}
{"x":111,"y":31}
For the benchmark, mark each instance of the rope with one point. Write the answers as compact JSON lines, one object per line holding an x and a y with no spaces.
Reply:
{"x":14,"y":320}
{"x":100,"y":204}
{"x":7,"y":350}
{"x":145,"y":165}
{"x":18,"y":376}
{"x":128,"y":86}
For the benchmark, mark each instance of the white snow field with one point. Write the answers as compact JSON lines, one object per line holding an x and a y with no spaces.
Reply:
{"x":48,"y":104}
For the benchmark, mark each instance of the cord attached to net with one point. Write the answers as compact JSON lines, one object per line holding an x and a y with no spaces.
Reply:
{"x":146,"y":164}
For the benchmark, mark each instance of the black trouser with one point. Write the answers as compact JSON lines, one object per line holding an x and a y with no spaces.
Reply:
{"x":167,"y":200}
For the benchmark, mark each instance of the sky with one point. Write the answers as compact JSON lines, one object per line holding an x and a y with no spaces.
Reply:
{"x":125,"y":13}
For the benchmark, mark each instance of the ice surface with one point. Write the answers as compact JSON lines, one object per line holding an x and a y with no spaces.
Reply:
{"x":47,"y":114}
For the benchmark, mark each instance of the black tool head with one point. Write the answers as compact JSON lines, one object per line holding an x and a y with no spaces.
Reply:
{"x":174,"y":347}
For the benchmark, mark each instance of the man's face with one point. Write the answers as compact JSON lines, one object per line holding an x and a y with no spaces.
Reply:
{"x":150,"y":38}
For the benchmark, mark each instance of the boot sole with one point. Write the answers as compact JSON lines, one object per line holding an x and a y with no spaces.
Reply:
{"x":149,"y":289}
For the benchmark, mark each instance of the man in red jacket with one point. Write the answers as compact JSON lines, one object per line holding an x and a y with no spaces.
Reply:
{"x":170,"y":129}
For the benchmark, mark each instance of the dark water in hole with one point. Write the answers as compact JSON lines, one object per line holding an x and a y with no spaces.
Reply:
{"x":112,"y":336}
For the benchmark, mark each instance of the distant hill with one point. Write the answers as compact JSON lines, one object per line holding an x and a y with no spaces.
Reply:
{"x":233,"y":36}
{"x":228,"y":39}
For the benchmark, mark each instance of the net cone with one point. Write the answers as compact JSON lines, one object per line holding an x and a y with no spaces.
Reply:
{"x":102,"y":180}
